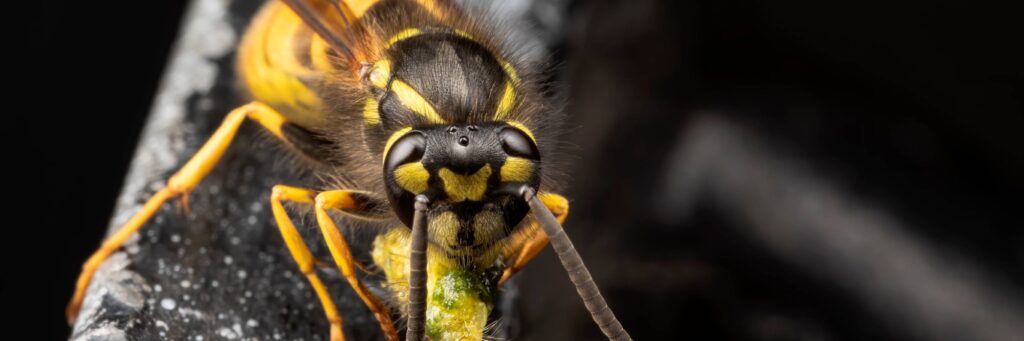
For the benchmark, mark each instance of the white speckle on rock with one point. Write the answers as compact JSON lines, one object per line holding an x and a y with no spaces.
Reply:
{"x":168,"y":303}
{"x":186,"y":284}
{"x":227,"y":333}
{"x":175,"y":238}
{"x":235,"y":240}
{"x":157,"y":288}
{"x":132,"y":243}
{"x":252,"y":323}
{"x":161,"y":324}
{"x":186,"y":312}
{"x":214,"y":284}
{"x":228,"y":260}
{"x":242,"y":274}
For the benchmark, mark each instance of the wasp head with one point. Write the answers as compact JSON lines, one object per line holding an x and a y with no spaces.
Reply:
{"x":465,"y":170}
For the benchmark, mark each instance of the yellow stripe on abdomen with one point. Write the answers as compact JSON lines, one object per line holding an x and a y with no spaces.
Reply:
{"x":271,"y":66}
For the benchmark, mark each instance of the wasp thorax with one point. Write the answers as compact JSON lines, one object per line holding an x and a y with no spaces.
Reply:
{"x":462,"y":168}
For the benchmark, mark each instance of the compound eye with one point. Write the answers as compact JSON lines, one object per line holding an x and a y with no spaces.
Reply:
{"x":408,"y":148}
{"x":516,"y":143}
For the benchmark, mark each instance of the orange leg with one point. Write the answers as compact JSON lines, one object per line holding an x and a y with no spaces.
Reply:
{"x":300,"y":252}
{"x":349,"y":202}
{"x":526,"y":248}
{"x":180,"y":184}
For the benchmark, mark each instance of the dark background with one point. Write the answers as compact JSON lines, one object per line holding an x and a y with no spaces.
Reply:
{"x":913,"y":108}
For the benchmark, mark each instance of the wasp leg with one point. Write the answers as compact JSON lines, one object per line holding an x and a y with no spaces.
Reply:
{"x":179,"y":185}
{"x":349,"y":202}
{"x":300,"y":252}
{"x":524,"y":249}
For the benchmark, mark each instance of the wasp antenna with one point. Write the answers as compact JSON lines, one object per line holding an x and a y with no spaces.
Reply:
{"x":418,"y":271}
{"x":305,"y":10}
{"x":578,"y":273}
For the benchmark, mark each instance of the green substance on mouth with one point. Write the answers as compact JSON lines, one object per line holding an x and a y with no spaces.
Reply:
{"x":458,"y":299}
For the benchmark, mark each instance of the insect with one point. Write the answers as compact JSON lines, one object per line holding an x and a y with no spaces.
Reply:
{"x":423,"y":122}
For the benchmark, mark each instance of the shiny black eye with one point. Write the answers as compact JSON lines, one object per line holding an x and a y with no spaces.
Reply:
{"x":516,"y":143}
{"x":408,"y":148}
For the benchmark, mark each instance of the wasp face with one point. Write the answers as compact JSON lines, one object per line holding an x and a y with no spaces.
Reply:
{"x":462,"y":168}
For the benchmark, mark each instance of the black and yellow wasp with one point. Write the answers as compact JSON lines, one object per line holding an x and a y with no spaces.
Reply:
{"x":432,"y":127}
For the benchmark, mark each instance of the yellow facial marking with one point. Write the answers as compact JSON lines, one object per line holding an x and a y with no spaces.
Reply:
{"x":522,"y":127}
{"x":516,"y":169}
{"x":463,"y":187}
{"x":370,"y":111}
{"x":411,"y":99}
{"x":380,"y":73}
{"x":391,"y":140}
{"x":508,"y":99}
{"x":510,"y":71}
{"x":412,"y":177}
{"x":402,"y":35}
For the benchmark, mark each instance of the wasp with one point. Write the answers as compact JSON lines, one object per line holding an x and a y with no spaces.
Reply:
{"x":421,"y":119}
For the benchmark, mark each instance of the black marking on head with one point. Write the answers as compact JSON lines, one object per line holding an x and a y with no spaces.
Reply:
{"x":460,"y":77}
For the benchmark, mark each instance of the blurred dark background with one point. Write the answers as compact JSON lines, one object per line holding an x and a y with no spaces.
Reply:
{"x":740,"y":169}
